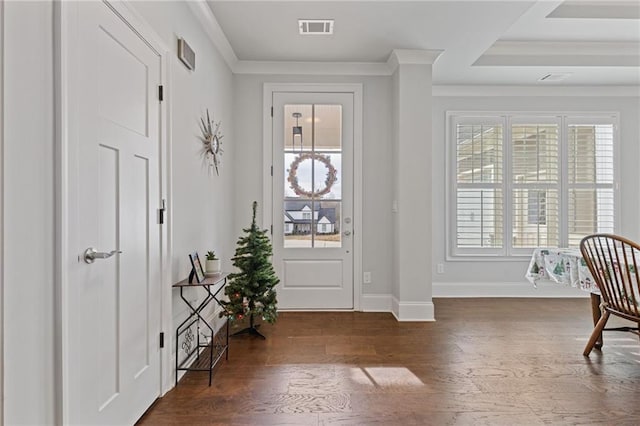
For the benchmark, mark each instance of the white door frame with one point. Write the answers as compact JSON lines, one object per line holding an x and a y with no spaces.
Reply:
{"x":63,"y":35}
{"x":267,"y":158}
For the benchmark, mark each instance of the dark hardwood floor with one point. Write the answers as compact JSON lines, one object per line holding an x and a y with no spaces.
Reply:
{"x":483,"y":362}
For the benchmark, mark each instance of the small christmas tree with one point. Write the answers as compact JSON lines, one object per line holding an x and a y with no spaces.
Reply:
{"x":250,"y":291}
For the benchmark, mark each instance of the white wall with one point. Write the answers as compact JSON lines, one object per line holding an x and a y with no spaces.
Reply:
{"x":28,"y":214}
{"x":377,"y":163}
{"x":507,"y":278}
{"x":202,"y":201}
{"x":201,"y":211}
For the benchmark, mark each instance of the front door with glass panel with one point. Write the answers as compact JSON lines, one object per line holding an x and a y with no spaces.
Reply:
{"x":313,"y":199}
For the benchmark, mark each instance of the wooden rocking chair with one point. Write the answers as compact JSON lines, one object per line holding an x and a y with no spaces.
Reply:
{"x":613,"y":262}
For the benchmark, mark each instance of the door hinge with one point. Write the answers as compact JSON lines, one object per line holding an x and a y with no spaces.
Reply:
{"x":271,"y":229}
{"x":161,"y":211}
{"x":271,"y":111}
{"x":161,"y":93}
{"x":161,"y":340}
{"x":271,"y":170}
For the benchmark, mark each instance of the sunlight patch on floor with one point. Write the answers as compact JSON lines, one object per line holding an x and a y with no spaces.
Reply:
{"x":385,"y":376}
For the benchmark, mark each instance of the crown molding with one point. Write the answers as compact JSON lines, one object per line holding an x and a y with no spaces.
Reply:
{"x":561,"y":53}
{"x":397,"y":57}
{"x":411,"y":57}
{"x":494,"y":90}
{"x":212,"y":28}
{"x":415,"y":56}
{"x":611,"y":48}
{"x":608,"y":9}
{"x":312,"y":68}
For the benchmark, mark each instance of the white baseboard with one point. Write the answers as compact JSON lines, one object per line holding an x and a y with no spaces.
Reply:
{"x":413,"y":311}
{"x":518,"y":289}
{"x":376,"y":303}
{"x":424,"y":311}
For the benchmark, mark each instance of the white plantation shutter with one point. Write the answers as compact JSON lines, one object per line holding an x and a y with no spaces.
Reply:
{"x":479,"y":179}
{"x":590,"y":179}
{"x":479,"y":218}
{"x":535,"y":182}
{"x":535,"y":152}
{"x":522,"y":182}
{"x":535,"y":218}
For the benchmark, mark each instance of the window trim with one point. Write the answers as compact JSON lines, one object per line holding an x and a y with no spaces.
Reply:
{"x":507,"y":118}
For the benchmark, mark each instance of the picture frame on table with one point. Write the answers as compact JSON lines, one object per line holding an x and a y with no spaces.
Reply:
{"x":197,"y":271}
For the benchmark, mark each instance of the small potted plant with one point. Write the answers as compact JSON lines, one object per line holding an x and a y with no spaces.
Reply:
{"x":212,"y":264}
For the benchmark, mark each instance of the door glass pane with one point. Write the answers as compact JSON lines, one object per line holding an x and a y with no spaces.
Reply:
{"x":327,"y":170}
{"x":327,"y":226}
{"x":298,"y":175}
{"x":298,"y":223}
{"x":298,"y":127}
{"x":327,"y":127}
{"x":312,"y":175}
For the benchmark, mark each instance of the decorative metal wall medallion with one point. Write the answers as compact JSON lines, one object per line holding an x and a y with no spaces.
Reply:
{"x":212,"y":141}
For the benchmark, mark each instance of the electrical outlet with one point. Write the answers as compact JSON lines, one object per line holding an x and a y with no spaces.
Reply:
{"x":366,"y":277}
{"x":440,"y":268}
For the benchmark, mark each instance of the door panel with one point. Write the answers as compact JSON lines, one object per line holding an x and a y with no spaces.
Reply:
{"x":107,"y":274}
{"x":313,"y":149}
{"x":319,"y":274}
{"x":122,"y":93}
{"x":113,"y":312}
{"x":135,"y":308}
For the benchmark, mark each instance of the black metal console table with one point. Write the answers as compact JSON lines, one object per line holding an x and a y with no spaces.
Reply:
{"x":207,"y":354}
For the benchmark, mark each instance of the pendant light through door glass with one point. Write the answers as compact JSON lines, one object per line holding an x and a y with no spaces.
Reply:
{"x":297,"y":130}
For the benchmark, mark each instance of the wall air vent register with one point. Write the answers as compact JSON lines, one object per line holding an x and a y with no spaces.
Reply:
{"x":315,"y":26}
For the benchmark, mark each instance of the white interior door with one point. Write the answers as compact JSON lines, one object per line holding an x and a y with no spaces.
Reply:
{"x":113,"y":304}
{"x":313,"y":199}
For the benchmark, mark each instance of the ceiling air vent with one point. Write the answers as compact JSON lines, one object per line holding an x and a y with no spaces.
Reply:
{"x":315,"y":26}
{"x":555,"y":76}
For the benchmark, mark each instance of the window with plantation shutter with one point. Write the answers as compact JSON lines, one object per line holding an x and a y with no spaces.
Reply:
{"x":519,"y":182}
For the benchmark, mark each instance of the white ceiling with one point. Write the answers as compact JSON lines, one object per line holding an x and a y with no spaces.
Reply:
{"x":483,"y":42}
